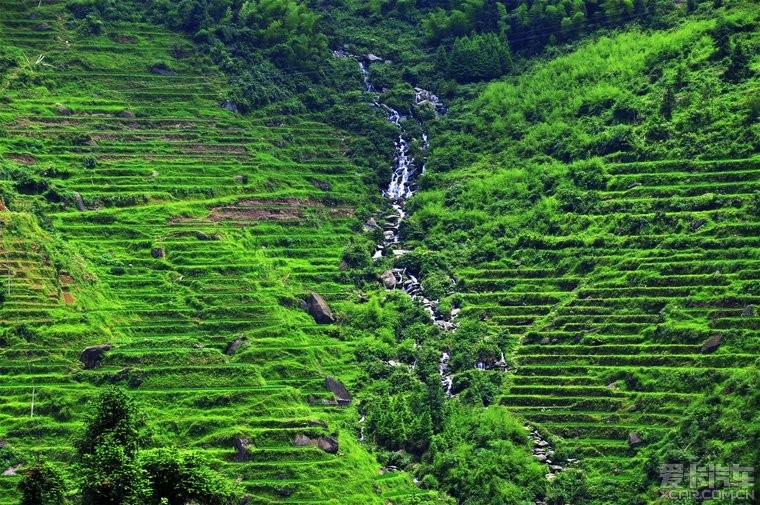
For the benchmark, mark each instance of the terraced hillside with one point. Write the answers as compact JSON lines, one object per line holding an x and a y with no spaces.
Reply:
{"x":183,"y":235}
{"x":620,"y":337}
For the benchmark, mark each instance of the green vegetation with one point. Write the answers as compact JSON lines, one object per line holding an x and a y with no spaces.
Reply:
{"x":179,"y":176}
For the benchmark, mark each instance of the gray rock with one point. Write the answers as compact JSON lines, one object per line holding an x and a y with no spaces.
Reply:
{"x":302,"y":440}
{"x":63,"y":110}
{"x":12,"y":470}
{"x":204,"y":236}
{"x":158,"y":252}
{"x":323,"y":185}
{"x":371,"y":223}
{"x":634,"y":440}
{"x":242,"y":445}
{"x":79,"y":201}
{"x":328,"y":444}
{"x":126,"y":114}
{"x":162,"y":69}
{"x":540,"y":457}
{"x":42,"y":27}
{"x":230,"y":106}
{"x":372,"y":58}
{"x":317,"y":423}
{"x":233,"y":347}
{"x":342,"y":395}
{"x":92,"y":356}
{"x":317,"y":307}
{"x":241,"y":179}
{"x":712,"y":344}
{"x":748,"y":311}
{"x":389,"y":279}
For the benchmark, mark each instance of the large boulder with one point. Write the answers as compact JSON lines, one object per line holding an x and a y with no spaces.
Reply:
{"x":328,"y":444}
{"x":712,"y":344}
{"x":241,"y":445}
{"x":634,"y":440}
{"x":162,"y":69}
{"x":233,"y":347}
{"x":342,"y":395}
{"x":317,"y":307}
{"x":302,"y":440}
{"x":92,"y":356}
{"x":230,"y":106}
{"x":748,"y":311}
{"x":389,"y":279}
{"x":79,"y":201}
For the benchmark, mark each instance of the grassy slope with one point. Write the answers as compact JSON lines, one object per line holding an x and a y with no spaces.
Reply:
{"x":613,"y":285}
{"x":156,"y":179}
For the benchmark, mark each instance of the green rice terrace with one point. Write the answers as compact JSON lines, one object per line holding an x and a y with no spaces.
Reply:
{"x":378,"y":252}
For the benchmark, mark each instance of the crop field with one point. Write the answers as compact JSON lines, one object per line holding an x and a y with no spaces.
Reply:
{"x":613,"y":333}
{"x":184,"y":235}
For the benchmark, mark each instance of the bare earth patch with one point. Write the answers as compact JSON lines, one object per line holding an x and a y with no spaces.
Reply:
{"x":259,"y":209}
{"x":24,"y":159}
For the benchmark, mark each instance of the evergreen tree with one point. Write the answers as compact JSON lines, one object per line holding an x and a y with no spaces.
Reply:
{"x":42,"y":484}
{"x":738,"y":67}
{"x":668,"y":103}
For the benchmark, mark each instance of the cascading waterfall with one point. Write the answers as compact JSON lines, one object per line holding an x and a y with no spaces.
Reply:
{"x":402,"y":186}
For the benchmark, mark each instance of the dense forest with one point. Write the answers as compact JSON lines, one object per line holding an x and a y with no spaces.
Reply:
{"x":214,"y":295}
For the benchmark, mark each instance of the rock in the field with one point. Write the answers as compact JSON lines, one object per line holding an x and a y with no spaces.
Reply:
{"x":42,"y":27}
{"x":372,"y":58}
{"x":242,"y":445}
{"x":79,"y":201}
{"x":241,"y":179}
{"x":748,"y":311}
{"x":389,"y":279}
{"x":92,"y":356}
{"x":302,"y":440}
{"x":343,"y":266}
{"x":328,"y":444}
{"x":63,"y":110}
{"x":323,"y":185}
{"x":12,"y":470}
{"x":317,"y":423}
{"x":699,"y":223}
{"x":230,"y":106}
{"x":634,"y":440}
{"x":128,"y":114}
{"x":546,"y":341}
{"x":204,"y":236}
{"x":556,"y":468}
{"x":342,"y":395}
{"x":371,"y":224}
{"x":540,"y":457}
{"x":158,"y":252}
{"x":233,"y":347}
{"x":317,"y":307}
{"x":162,"y":69}
{"x":712,"y":344}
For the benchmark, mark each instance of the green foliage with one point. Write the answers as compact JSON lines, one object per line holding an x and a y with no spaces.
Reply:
{"x":177,"y":479}
{"x":476,"y":58}
{"x":482,"y":457}
{"x":111,"y":475}
{"x":42,"y":484}
{"x":115,"y":421}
